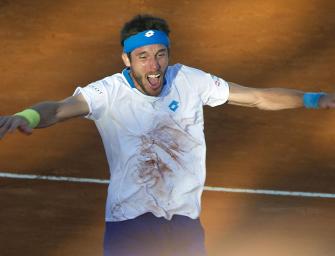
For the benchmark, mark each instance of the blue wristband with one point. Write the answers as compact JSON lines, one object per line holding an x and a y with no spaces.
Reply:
{"x":311,"y":99}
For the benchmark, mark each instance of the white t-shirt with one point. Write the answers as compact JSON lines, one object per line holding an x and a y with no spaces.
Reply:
{"x":155,"y":146}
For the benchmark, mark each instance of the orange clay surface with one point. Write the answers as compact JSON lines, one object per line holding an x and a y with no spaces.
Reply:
{"x":47,"y":48}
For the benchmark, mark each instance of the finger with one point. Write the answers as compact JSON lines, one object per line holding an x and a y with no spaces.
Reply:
{"x":25,"y":129}
{"x":4,"y":128}
{"x":328,"y":104}
{"x":14,"y":125}
{"x":6,"y":124}
{"x":21,"y":122}
{"x":3,"y":120}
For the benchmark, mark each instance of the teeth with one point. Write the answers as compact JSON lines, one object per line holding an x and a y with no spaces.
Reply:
{"x":154,"y":76}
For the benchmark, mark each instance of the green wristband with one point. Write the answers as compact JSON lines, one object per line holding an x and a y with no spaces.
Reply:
{"x":31,"y":115}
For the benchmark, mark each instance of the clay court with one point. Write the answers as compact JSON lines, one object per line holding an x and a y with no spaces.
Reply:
{"x":48,"y":48}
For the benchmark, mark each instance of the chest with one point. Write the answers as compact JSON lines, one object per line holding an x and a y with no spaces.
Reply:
{"x":181,"y":108}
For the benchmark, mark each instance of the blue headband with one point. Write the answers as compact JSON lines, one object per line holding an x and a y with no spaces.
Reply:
{"x":145,"y":38}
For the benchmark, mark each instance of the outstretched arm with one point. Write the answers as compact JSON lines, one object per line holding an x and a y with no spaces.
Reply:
{"x":273,"y":98}
{"x":50,"y":112}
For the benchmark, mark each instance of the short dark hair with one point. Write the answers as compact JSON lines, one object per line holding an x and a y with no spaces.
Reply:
{"x":141,"y":23}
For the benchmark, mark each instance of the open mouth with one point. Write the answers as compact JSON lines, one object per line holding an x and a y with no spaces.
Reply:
{"x":154,"y":80}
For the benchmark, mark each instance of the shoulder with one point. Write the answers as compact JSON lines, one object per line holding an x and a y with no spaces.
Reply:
{"x":184,"y":69}
{"x":188,"y":74}
{"x":107,"y":82}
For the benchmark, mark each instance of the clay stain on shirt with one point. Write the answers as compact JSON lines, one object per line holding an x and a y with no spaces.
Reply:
{"x":160,"y":151}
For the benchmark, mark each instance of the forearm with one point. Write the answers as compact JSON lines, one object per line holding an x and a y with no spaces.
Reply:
{"x":265,"y":99}
{"x":279,"y":98}
{"x":52,"y":112}
{"x":38,"y":116}
{"x":44,"y":114}
{"x":48,"y":112}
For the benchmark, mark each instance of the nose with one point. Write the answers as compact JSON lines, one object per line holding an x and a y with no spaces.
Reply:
{"x":154,"y":64}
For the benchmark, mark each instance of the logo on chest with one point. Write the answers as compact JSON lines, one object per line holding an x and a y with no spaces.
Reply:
{"x":174,"y":105}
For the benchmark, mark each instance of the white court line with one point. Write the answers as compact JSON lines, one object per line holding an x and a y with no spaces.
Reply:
{"x":219,"y":189}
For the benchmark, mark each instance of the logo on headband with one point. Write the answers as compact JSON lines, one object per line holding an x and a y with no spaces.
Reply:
{"x":150,"y":33}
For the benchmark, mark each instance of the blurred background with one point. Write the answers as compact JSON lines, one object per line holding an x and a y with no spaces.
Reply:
{"x":48,"y":48}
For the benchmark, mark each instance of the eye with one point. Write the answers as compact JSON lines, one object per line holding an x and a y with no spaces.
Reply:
{"x":161,"y":54}
{"x":142,"y":56}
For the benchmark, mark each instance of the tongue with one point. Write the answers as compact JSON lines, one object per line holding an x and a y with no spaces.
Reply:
{"x":154,"y":82}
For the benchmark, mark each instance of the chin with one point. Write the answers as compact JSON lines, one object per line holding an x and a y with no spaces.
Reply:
{"x":155,"y":93}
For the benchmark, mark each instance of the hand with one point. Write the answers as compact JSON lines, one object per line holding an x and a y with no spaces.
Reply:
{"x":9,"y":124}
{"x":327,"y":101}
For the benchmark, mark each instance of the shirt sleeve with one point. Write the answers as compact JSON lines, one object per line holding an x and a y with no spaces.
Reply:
{"x":212,"y":90}
{"x":96,"y":96}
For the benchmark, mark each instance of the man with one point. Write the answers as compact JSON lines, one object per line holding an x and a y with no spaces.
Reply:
{"x":150,"y":118}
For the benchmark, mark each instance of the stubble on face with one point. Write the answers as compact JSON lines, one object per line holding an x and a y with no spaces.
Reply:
{"x":138,"y":79}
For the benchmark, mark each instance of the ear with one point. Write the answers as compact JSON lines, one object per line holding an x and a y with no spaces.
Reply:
{"x":125,"y":59}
